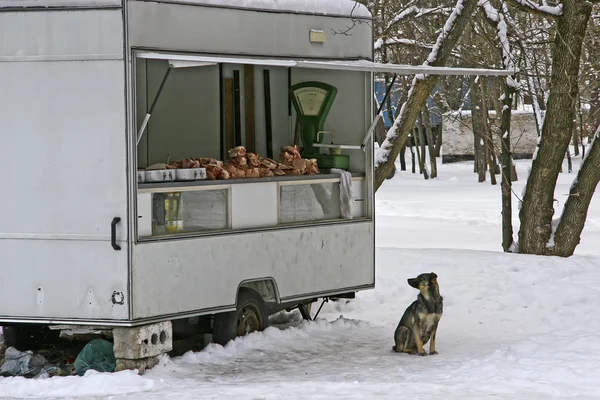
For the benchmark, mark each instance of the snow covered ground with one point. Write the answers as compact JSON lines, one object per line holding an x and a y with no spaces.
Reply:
{"x":514,"y":327}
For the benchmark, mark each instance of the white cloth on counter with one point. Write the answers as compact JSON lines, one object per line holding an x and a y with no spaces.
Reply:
{"x":345,"y":192}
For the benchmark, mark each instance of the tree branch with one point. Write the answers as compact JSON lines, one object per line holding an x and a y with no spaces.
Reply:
{"x":415,"y":12}
{"x":532,"y":8}
{"x":355,"y":21}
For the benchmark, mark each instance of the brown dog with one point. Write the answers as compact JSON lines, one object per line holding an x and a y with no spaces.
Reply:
{"x":420,"y":320}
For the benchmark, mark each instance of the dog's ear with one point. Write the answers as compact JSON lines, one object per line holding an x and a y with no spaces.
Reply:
{"x":413,"y":282}
{"x":433,"y":275}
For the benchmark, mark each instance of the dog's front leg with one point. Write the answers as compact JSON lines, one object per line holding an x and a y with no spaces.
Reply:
{"x":432,"y":343}
{"x":419,"y":343}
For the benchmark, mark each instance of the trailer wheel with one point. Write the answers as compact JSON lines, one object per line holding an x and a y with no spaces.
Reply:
{"x":251,"y":315}
{"x":30,"y":337}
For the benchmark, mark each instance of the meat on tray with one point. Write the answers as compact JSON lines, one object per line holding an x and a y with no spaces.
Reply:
{"x":241,"y":164}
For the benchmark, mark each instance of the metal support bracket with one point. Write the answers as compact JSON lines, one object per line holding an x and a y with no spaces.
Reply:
{"x":149,"y":113}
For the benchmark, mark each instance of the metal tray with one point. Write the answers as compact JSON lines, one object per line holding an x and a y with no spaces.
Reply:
{"x":190,"y":174}
{"x":160,"y":175}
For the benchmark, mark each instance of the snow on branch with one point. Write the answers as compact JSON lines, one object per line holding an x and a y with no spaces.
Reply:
{"x":398,"y":41}
{"x":501,"y":30}
{"x":409,"y":43}
{"x":442,"y":48}
{"x":533,"y":8}
{"x":497,"y":19}
{"x":410,"y":11}
{"x":399,"y":17}
{"x":416,"y":12}
{"x":523,"y":36}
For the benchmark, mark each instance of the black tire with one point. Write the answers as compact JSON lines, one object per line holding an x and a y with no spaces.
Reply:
{"x":251,"y":315}
{"x":30,"y":337}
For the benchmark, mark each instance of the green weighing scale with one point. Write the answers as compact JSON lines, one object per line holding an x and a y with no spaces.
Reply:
{"x":312,"y":101}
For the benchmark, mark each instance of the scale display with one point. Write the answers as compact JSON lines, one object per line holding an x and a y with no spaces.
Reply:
{"x":311,"y":100}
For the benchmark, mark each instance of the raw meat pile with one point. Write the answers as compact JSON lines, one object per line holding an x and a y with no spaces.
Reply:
{"x":241,"y":164}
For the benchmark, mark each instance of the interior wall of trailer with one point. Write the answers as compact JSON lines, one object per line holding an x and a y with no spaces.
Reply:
{"x":185,"y":120}
{"x":280,"y":120}
{"x":347,"y":120}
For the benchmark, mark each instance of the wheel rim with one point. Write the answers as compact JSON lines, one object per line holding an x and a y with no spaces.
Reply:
{"x":248,"y":320}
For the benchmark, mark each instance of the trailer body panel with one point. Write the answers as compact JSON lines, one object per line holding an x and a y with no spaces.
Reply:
{"x":178,"y":27}
{"x":188,"y":275}
{"x":50,"y":35}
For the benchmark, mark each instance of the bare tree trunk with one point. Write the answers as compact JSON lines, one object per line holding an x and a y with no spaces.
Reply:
{"x":497,"y":169}
{"x":388,"y":105}
{"x":498,"y":87}
{"x":534,"y":98}
{"x":430,"y":143}
{"x":420,"y":157}
{"x":507,"y":168}
{"x":488,"y":151}
{"x":479,"y":120}
{"x":422,"y":143}
{"x":421,"y":88}
{"x":481,"y":164}
{"x":576,"y":139}
{"x":568,"y":231}
{"x":391,"y":114}
{"x":489,"y":144}
{"x":577,"y":129}
{"x":439,"y":138}
{"x":475,"y":153}
{"x":412,"y":158}
{"x":403,"y":158}
{"x":537,"y":206}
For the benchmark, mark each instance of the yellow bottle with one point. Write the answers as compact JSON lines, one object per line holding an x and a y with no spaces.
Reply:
{"x":173,"y":213}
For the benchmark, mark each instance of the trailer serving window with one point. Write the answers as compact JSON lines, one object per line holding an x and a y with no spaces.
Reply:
{"x":193,"y":111}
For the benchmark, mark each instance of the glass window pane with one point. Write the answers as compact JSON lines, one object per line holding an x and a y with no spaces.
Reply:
{"x":186,"y":212}
{"x":309,"y":202}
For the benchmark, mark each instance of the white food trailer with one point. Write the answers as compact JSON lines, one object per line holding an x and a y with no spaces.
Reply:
{"x":96,"y":93}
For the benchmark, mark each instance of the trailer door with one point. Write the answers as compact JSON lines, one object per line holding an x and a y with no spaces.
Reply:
{"x":63,"y":230}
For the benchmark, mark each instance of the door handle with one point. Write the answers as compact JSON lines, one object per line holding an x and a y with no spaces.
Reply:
{"x":113,"y":233}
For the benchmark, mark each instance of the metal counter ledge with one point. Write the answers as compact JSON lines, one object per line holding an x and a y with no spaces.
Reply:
{"x":220,"y":182}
